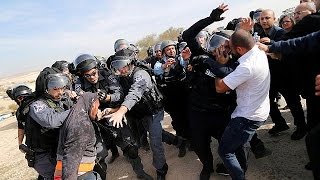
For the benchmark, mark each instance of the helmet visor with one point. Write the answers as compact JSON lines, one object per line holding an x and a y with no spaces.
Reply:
{"x":118,"y":63}
{"x":57,"y":81}
{"x":215,"y":41}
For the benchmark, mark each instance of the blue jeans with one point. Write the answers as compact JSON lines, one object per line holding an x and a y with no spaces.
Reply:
{"x":153,"y":125}
{"x":232,"y":148}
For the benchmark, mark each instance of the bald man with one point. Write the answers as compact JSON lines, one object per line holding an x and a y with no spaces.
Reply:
{"x":251,"y":80}
{"x":304,"y":9}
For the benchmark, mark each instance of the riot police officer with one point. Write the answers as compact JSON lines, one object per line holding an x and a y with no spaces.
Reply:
{"x":92,"y":79}
{"x":44,"y":118}
{"x":22,"y":95}
{"x":171,"y":75}
{"x":143,"y":99}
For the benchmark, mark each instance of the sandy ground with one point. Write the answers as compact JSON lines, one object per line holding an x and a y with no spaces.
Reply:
{"x":286,"y":162}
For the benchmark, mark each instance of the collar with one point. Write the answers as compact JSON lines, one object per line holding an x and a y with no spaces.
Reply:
{"x":248,"y":54}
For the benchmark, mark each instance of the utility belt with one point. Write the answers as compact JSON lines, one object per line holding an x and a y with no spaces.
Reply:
{"x":82,"y":169}
{"x":29,"y":154}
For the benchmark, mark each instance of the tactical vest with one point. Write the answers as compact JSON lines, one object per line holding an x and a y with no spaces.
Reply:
{"x":202,"y":90}
{"x":151,"y":101}
{"x":177,"y":73}
{"x":38,"y":137}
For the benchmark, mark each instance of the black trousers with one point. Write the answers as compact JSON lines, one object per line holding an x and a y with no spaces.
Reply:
{"x":281,"y":83}
{"x":205,"y":125}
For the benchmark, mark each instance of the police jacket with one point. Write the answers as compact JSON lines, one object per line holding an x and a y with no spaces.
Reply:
{"x":42,"y":127}
{"x":142,"y":97}
{"x":175,"y":73}
{"x":106,"y":82}
{"x":203,"y":95}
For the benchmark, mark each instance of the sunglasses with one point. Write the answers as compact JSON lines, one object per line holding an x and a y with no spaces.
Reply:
{"x":93,"y":74}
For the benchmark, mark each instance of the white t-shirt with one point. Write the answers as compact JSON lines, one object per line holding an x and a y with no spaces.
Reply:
{"x":251,"y":79}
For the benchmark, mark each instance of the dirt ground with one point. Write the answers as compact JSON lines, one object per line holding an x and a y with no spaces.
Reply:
{"x":286,"y":162}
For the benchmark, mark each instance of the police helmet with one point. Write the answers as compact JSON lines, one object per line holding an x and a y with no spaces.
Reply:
{"x":121,"y":59}
{"x":61,"y":65}
{"x":256,"y":16}
{"x":84,"y":63}
{"x":157,"y":47}
{"x":118,"y":45}
{"x":182,"y":46}
{"x":20,"y":90}
{"x":218,"y":39}
{"x":167,"y":43}
{"x":57,"y":80}
{"x":134,"y":48}
{"x":150,"y":51}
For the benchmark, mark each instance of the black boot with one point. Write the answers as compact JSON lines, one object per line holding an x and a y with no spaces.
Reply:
{"x":206,"y":173}
{"x":138,"y":169}
{"x":182,"y":145}
{"x":161,"y":173}
{"x":299,"y":133}
{"x":101,"y":169}
{"x":260,"y":151}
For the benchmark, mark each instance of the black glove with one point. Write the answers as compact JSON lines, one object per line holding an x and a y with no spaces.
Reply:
{"x":102,"y":94}
{"x":216,"y":13}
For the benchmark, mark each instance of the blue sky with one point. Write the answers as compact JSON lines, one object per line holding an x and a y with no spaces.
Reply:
{"x":34,"y":34}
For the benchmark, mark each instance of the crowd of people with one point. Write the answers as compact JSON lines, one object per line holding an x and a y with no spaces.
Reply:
{"x":223,"y":84}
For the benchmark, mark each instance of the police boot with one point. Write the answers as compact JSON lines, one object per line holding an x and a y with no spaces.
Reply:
{"x":138,"y":169}
{"x":182,"y":145}
{"x":101,"y":169}
{"x":114,"y":155}
{"x":161,"y":173}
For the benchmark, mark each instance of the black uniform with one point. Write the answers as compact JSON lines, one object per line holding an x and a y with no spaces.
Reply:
{"x":209,"y":112}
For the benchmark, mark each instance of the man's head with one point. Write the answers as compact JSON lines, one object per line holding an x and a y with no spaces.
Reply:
{"x":201,"y":38}
{"x":241,"y":42}
{"x":219,"y":39}
{"x":157,"y":50}
{"x":168,"y":48}
{"x":120,"y":44}
{"x":56,"y":85}
{"x":86,"y":66}
{"x":18,"y":93}
{"x":304,"y":9}
{"x":267,"y":19}
{"x":122,"y":62}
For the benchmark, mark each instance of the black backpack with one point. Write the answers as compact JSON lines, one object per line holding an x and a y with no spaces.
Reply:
{"x":41,"y":80}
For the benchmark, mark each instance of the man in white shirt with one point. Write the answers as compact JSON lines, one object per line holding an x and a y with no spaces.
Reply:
{"x":251,"y":80}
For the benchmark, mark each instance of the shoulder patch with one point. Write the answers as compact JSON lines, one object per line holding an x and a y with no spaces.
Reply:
{"x":38,"y":106}
{"x":77,"y":87}
{"x":138,"y":77}
{"x":112,"y":79}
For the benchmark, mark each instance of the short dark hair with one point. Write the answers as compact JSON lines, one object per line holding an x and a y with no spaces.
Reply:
{"x":242,"y":38}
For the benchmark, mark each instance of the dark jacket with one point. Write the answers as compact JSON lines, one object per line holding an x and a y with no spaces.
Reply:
{"x":306,"y":44}
{"x":306,"y":62}
{"x":77,"y":137}
{"x":203,"y":95}
{"x":190,"y":34}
